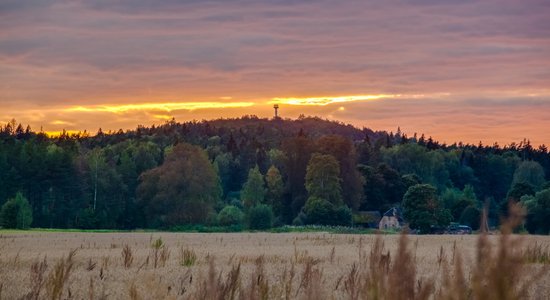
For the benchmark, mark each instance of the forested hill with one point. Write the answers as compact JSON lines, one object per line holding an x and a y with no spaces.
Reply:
{"x":258,"y":173}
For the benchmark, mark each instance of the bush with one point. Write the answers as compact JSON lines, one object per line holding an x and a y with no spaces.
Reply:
{"x":342,"y":216}
{"x":230,"y":215}
{"x":300,"y":220}
{"x":423,"y":209}
{"x":471,"y":216}
{"x":16,"y":213}
{"x":318,"y":211}
{"x":260,"y":217}
{"x":321,"y":212}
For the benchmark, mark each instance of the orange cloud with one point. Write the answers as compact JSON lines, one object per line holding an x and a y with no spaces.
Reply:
{"x":352,"y":98}
{"x":329,"y":99}
{"x":168,"y":107}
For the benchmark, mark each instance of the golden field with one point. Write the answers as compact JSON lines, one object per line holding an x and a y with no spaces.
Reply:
{"x":37,"y":265}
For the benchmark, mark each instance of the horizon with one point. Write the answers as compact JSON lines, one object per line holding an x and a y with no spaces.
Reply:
{"x":93,"y":133}
{"x":457,"y":71}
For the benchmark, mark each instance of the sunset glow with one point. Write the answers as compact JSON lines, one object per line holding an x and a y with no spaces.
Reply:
{"x":455,"y":70}
{"x":167,"y":107}
{"x":330,"y":100}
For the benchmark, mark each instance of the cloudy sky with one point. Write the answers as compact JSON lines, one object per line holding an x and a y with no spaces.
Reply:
{"x":456,"y":70}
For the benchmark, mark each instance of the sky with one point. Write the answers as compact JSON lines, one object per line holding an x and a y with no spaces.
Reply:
{"x":467,"y":70}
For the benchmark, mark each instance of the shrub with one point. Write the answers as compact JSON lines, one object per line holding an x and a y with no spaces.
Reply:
{"x":230,"y":215}
{"x":471,"y":217}
{"x":260,"y":217}
{"x":321,"y":212}
{"x":300,"y":220}
{"x":342,"y":216}
{"x":318,"y":211}
{"x":16,"y":213}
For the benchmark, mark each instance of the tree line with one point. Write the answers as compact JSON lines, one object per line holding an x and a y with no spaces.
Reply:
{"x":258,"y":173}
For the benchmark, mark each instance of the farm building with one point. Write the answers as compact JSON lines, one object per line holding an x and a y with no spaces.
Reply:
{"x":391,"y":219}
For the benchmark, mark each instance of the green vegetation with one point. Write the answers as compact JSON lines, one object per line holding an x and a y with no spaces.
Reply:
{"x":423,"y":209}
{"x":260,"y":217}
{"x":230,"y":215}
{"x":16,"y":213}
{"x":221,"y":174}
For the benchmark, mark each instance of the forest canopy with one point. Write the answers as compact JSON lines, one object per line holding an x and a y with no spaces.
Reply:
{"x":260,"y":173}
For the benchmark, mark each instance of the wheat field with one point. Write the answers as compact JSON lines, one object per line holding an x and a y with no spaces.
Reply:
{"x":140,"y":265}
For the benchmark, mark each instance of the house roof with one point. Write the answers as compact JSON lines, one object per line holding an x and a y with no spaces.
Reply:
{"x":394,"y":212}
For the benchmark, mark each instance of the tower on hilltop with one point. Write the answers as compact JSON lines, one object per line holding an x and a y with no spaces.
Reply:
{"x":276,"y":107}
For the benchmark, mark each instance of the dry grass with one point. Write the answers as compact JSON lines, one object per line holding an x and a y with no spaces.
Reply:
{"x":127,"y":256}
{"x":537,"y":254}
{"x":272,"y":266}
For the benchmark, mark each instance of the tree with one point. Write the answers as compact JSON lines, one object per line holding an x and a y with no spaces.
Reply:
{"x":275,"y":189}
{"x":230,"y":215}
{"x":323,"y":179}
{"x":430,"y":166}
{"x":341,"y":148}
{"x":471,"y":216}
{"x":253,"y":192}
{"x":456,"y":200}
{"x":320,"y":211}
{"x":384,"y":186}
{"x":530,"y":172}
{"x":16,"y":213}
{"x":519,"y":189}
{"x":183,"y":190}
{"x":538,"y":213}
{"x":260,"y":217}
{"x":422,"y":209}
{"x":297,"y":152}
{"x":515,"y":194}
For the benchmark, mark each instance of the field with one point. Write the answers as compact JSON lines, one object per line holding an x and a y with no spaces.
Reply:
{"x":84,"y":265}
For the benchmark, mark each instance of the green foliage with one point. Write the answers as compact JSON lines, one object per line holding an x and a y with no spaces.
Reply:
{"x":323,"y":178}
{"x":384,"y":187}
{"x":319,"y":211}
{"x":456,"y":200}
{"x":343,"y":216}
{"x":230,"y":215}
{"x":471,"y":216}
{"x":530,"y":172}
{"x":422,"y":208}
{"x":538,"y":212}
{"x":275,"y":189}
{"x":342,"y":149}
{"x":260,"y":217}
{"x":515,"y":194}
{"x":182,"y":190}
{"x":142,"y":178}
{"x":16,"y":213}
{"x":520,"y":189}
{"x":410,"y":180}
{"x":430,"y":166}
{"x":253,"y":192}
{"x":297,"y":152}
{"x":88,"y":219}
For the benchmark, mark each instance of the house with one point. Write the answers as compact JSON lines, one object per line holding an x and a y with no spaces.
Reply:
{"x":368,"y":219}
{"x":391,"y":219}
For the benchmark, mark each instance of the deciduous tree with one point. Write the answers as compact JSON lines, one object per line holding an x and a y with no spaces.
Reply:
{"x":422,"y":208}
{"x":182,"y":190}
